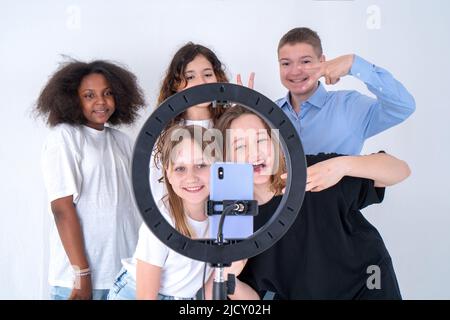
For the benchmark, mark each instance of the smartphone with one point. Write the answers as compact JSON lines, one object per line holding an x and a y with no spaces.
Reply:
{"x":231,"y":181}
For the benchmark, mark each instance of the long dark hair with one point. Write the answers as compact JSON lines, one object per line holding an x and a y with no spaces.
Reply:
{"x":175,"y":73}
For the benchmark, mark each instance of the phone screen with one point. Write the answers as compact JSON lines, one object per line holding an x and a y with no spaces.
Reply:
{"x":231,"y":181}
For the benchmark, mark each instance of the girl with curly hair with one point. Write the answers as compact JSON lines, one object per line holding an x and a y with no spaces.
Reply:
{"x":86,"y":172}
{"x":193,"y":64}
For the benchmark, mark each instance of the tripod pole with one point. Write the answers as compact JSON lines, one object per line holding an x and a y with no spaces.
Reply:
{"x":220,"y":284}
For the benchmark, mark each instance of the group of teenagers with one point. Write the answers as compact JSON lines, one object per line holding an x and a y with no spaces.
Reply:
{"x":101,"y":249}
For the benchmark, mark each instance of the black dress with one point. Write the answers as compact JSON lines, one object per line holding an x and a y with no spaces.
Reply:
{"x":330,"y":252}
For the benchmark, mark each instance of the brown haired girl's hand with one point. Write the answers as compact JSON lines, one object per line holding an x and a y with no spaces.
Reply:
{"x":251,"y":80}
{"x":82,"y":289}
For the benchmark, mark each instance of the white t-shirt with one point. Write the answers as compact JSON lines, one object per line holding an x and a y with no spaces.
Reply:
{"x":94,"y":167}
{"x":180,"y":276}
{"x":156,"y":173}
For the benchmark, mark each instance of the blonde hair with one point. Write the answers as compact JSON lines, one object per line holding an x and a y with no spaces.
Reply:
{"x":163,"y":154}
{"x":276,"y":183}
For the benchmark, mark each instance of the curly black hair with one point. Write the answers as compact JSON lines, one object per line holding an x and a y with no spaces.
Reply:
{"x":59,"y":101}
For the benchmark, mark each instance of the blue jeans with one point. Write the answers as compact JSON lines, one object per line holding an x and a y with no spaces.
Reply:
{"x":164,"y":297}
{"x":63,"y":293}
{"x":124,"y":288}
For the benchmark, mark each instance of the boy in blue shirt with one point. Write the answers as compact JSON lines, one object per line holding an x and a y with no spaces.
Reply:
{"x":336,"y":121}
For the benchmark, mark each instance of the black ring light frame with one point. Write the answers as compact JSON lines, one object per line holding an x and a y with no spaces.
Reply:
{"x":282,"y":219}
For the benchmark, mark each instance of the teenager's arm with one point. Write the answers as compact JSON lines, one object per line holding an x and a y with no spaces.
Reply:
{"x":69,"y":230}
{"x":369,"y":116}
{"x":393,"y":102}
{"x":390,"y":92}
{"x":383,"y":168}
{"x":148,"y":279}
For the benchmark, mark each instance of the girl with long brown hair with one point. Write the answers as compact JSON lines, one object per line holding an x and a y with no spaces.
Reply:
{"x":193,"y":64}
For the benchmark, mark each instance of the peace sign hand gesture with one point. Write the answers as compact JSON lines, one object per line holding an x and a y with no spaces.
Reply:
{"x":331,"y":70}
{"x":251,"y":80}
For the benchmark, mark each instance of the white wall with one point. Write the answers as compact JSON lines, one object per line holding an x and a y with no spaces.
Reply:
{"x":408,"y":37}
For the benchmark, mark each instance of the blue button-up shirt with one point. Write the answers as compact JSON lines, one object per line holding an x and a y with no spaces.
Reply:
{"x":340,"y":121}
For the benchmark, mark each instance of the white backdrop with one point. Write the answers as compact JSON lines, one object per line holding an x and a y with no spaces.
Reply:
{"x":408,"y":37}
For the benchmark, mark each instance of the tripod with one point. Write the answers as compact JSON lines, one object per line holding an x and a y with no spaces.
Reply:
{"x":223,"y":287}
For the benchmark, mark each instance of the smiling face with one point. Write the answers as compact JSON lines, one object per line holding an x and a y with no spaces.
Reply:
{"x":188,"y":172}
{"x":292,"y":58}
{"x":250,"y":142}
{"x":97,"y":100}
{"x":198,"y":71}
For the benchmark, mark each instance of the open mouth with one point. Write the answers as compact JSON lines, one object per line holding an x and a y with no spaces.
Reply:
{"x":258,"y":166}
{"x":299,"y":81}
{"x":101,"y":111}
{"x":193,"y":189}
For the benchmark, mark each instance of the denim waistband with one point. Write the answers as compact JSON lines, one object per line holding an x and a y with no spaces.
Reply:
{"x":166,"y":297}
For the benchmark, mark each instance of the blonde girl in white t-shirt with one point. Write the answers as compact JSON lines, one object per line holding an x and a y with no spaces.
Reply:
{"x":86,"y":173}
{"x":156,"y":271}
